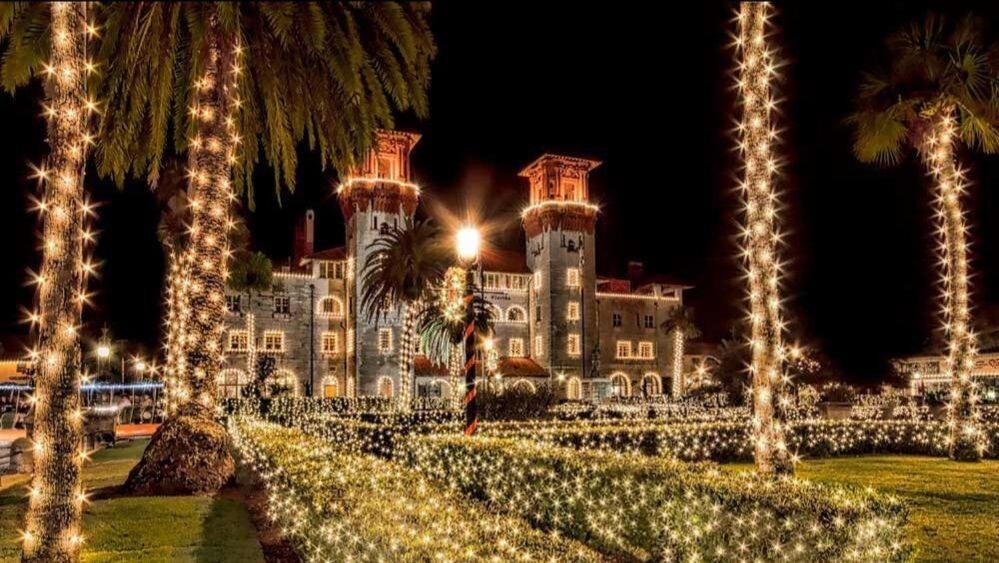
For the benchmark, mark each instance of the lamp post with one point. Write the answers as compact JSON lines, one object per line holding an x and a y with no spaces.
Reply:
{"x":467,"y":242}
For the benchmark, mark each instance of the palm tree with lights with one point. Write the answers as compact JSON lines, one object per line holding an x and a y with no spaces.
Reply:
{"x":681,"y":323}
{"x":234,"y":82}
{"x":405,"y":266}
{"x":939,"y":90}
{"x":51,"y":41}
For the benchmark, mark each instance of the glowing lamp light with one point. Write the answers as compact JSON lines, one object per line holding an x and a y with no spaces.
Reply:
{"x":140,"y":366}
{"x":467,"y":242}
{"x":103,"y":351}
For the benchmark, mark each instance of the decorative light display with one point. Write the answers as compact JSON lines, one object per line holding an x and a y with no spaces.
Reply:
{"x":211,"y":155}
{"x":56,"y":495}
{"x":965,"y":441}
{"x":383,"y":511}
{"x":678,"y":380}
{"x":175,"y":368}
{"x":761,"y":239}
{"x":407,"y":351}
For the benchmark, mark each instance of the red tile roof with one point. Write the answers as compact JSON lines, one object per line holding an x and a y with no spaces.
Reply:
{"x":335,"y":253}
{"x":495,"y":260}
{"x":521,"y":367}
{"x":423,"y":367}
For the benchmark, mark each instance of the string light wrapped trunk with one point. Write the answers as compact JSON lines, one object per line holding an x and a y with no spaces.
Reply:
{"x":761,"y":240}
{"x":52,"y":525}
{"x":211,"y":156}
{"x":471,"y":392}
{"x":965,"y":441}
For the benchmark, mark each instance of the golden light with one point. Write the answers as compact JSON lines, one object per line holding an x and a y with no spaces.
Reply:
{"x":467,"y":242}
{"x":103,"y":351}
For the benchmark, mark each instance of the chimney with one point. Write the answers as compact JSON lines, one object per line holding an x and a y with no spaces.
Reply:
{"x":304,"y":237}
{"x":636,"y":271}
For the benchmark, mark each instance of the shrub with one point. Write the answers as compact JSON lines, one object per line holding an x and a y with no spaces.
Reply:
{"x":515,"y":403}
{"x":640,"y":508}
{"x":338,"y":506}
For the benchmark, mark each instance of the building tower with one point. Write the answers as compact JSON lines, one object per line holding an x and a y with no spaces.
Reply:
{"x":559,"y":224}
{"x":374,"y":197}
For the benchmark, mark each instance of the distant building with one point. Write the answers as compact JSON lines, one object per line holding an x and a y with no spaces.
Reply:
{"x":556,"y":319}
{"x":928,"y":373}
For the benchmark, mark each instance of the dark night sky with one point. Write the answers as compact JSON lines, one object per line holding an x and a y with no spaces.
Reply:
{"x":646,"y":89}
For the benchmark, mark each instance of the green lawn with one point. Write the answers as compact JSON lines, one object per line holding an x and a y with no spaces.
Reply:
{"x":954,"y":507}
{"x":147,"y":529}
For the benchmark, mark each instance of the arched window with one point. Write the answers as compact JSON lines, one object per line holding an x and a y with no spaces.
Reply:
{"x":652,"y":385}
{"x":516,"y":314}
{"x":331,"y":387}
{"x":385,"y":387}
{"x":330,"y":307}
{"x":620,"y":385}
{"x":573,"y":389}
{"x":523,"y":385}
{"x":231,"y":382}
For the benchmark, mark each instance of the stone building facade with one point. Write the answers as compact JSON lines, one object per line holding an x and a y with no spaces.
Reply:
{"x":556,"y":319}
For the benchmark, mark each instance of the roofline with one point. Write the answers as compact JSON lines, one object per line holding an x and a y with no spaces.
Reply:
{"x":588,"y":162}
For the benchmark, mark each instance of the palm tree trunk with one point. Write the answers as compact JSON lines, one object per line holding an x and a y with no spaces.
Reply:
{"x":678,"y":384}
{"x":174,"y":371}
{"x":52,"y":528}
{"x":406,"y":354}
{"x":210,"y":164}
{"x":965,"y":440}
{"x":772,"y":456}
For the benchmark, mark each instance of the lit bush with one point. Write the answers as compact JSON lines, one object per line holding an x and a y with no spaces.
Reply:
{"x":641,"y":508}
{"x":338,"y":506}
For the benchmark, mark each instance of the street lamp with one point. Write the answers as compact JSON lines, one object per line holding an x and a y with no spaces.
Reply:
{"x":103,"y":351}
{"x":467,"y":241}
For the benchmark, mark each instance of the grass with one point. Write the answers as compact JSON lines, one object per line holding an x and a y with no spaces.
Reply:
{"x":148,"y":529}
{"x":954,"y":506}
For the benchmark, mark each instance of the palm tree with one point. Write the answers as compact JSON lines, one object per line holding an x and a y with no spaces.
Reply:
{"x":404,"y":267}
{"x":51,"y":40}
{"x":939,"y":88}
{"x":681,"y":323}
{"x":757,"y":68}
{"x":232,"y":82}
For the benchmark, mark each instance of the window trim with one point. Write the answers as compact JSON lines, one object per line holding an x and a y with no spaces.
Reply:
{"x":617,"y":350}
{"x":270,"y":334}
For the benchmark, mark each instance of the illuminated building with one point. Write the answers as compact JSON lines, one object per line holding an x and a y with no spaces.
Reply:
{"x":555,"y":318}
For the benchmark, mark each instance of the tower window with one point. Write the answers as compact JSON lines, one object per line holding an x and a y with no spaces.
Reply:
{"x":646,"y":351}
{"x":273,"y":341}
{"x":623,"y":350}
{"x":572,"y":346}
{"x":384,"y":167}
{"x":384,"y":340}
{"x":616,"y":319}
{"x":572,"y":312}
{"x":282,"y":304}
{"x":537,"y":279}
{"x":331,"y":344}
{"x":330,"y":306}
{"x":516,"y":315}
{"x":539,"y":346}
{"x":233,"y":303}
{"x":650,"y":321}
{"x":572,"y":277}
{"x":239,"y":341}
{"x":516,"y":349}
{"x":491,"y":281}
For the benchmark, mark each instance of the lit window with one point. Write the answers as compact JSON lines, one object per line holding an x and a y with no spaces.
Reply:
{"x":539,"y":346}
{"x":572,"y":314}
{"x":330,"y":343}
{"x":616,"y":319}
{"x":338,"y":269}
{"x":623,"y":349}
{"x":517,"y":282}
{"x":239,"y":341}
{"x":385,"y":387}
{"x":324,"y":270}
{"x":573,"y":345}
{"x":572,"y":277}
{"x":384,"y":340}
{"x":573,"y":389}
{"x":620,"y":385}
{"x":650,"y":321}
{"x":330,"y":306}
{"x":646,"y":351}
{"x":516,"y":314}
{"x":491,"y":281}
{"x":282,"y":304}
{"x":273,"y":341}
{"x":350,"y":341}
{"x":233,"y":303}
{"x":516,"y":347}
{"x":537,"y":279}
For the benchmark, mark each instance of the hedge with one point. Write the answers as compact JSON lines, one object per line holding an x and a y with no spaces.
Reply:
{"x":729,"y":441}
{"x":638,"y":508}
{"x":338,"y":506}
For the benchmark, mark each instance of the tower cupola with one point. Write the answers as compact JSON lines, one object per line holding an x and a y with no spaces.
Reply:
{"x":559,"y":194}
